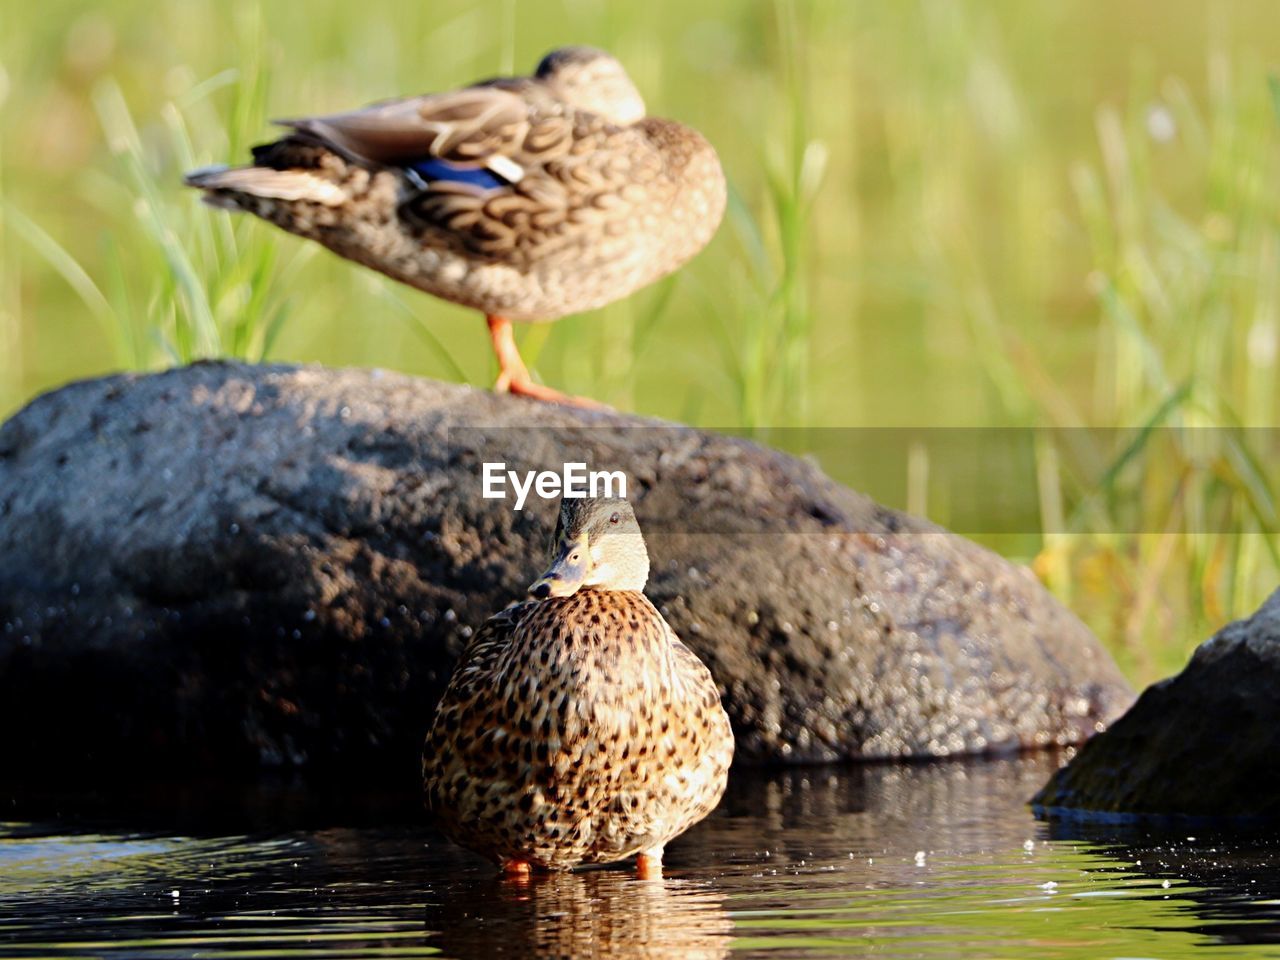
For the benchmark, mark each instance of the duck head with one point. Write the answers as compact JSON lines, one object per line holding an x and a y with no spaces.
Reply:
{"x":597,"y":544}
{"x":592,"y":80}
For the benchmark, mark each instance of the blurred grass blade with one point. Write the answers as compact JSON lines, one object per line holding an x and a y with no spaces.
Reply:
{"x":424,"y":332}
{"x":63,"y":262}
{"x":1141,"y":436}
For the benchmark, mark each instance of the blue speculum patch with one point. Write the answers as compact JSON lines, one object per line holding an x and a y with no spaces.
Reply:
{"x":435,"y":169}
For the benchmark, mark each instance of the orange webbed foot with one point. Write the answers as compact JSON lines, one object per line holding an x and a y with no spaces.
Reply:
{"x":514,"y":376}
{"x":516,"y":870}
{"x":649,"y":865}
{"x":536,"y":391}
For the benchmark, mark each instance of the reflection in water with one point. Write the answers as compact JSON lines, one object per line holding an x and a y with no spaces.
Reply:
{"x":1227,"y":883}
{"x":594,"y":913}
{"x":904,"y":860}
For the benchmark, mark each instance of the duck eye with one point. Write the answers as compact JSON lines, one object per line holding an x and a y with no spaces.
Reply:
{"x":615,"y":518}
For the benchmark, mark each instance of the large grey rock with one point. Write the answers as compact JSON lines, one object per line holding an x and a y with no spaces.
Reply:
{"x":1205,"y":743}
{"x":226,"y":566}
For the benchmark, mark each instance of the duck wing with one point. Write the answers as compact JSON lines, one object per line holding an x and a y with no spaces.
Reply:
{"x":463,"y":126}
{"x":503,"y":172}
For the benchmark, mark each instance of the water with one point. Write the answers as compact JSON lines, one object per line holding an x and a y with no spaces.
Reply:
{"x":899,"y":861}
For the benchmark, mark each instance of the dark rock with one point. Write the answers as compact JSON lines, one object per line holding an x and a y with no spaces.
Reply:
{"x":229,"y":566}
{"x":1202,"y":744}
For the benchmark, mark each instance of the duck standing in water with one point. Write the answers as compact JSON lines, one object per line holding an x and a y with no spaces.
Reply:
{"x":527,"y":198}
{"x":577,"y":728}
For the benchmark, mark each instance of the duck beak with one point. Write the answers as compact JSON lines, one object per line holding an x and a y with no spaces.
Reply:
{"x":568,"y":571}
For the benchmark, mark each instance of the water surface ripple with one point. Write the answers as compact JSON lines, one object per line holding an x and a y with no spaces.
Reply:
{"x":920,"y":860}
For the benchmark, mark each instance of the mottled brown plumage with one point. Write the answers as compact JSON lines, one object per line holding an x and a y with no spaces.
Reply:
{"x":526,"y":198}
{"x":577,"y":728}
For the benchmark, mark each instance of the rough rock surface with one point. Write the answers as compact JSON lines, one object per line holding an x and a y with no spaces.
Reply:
{"x":224,"y":566}
{"x":1205,"y":743}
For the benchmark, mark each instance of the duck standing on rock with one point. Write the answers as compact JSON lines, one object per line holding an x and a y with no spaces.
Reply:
{"x":527,"y":198}
{"x":577,"y":728}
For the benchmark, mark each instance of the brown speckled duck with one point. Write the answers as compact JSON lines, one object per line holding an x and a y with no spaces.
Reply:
{"x":527,"y":198}
{"x":577,"y":728}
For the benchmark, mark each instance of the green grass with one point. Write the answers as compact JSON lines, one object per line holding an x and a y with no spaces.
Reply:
{"x":970,"y":214}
